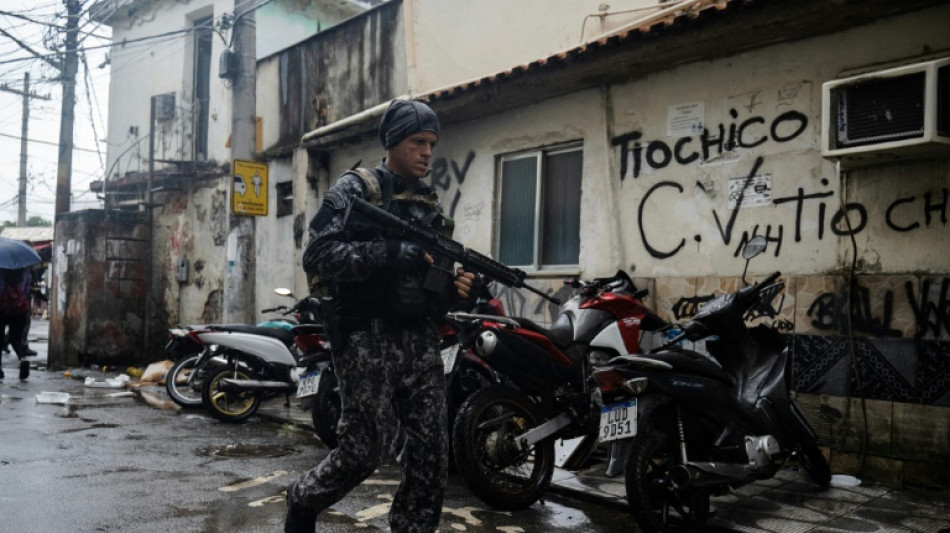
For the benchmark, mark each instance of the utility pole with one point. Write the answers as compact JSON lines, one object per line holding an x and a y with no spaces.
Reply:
{"x":70,"y":66}
{"x":26,"y":94}
{"x":239,"y":293}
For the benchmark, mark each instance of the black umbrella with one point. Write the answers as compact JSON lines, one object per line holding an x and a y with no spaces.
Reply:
{"x":16,"y":254}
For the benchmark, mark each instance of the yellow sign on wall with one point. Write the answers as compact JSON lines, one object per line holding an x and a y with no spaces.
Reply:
{"x":249,"y":188}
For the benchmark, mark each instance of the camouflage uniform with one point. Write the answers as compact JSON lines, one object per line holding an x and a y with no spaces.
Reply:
{"x":386,"y":367}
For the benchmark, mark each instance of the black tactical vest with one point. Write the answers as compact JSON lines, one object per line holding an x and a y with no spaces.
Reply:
{"x":387,"y":294}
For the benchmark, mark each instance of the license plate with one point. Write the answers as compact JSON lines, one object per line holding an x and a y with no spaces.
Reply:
{"x":618,"y":421}
{"x":307,"y":386}
{"x":449,"y":353}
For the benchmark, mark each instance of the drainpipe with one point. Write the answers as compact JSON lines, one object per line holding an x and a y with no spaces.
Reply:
{"x":342,"y":124}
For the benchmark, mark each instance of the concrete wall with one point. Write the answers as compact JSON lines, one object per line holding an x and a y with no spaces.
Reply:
{"x":298,"y":20}
{"x":98,"y":301}
{"x":457,"y":40}
{"x":191,"y":225}
{"x":335,"y":74}
{"x":275,"y":244}
{"x":143,"y":69}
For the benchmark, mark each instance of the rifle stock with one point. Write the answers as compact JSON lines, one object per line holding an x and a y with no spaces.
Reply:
{"x":364,"y":215}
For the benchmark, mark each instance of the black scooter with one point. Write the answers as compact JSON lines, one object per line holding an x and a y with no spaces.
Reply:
{"x":703,"y":424}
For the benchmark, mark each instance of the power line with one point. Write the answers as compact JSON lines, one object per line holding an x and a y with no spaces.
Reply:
{"x":17,"y":137}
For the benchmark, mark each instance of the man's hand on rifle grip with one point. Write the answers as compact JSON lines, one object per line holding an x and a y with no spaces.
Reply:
{"x":463,"y":282}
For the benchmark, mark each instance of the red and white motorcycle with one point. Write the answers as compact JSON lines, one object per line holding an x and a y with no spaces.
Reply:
{"x":504,"y":435}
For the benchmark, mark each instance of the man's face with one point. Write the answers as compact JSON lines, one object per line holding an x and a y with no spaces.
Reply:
{"x":413,"y":156}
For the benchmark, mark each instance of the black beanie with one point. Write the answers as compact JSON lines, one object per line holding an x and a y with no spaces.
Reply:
{"x":403,"y":118}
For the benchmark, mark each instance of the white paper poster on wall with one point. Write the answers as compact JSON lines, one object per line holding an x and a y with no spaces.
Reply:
{"x":684,"y":120}
{"x":758,"y":190}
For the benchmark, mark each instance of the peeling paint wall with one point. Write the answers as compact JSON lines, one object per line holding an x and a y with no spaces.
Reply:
{"x":337,"y":73}
{"x":191,"y":230}
{"x":99,"y":299}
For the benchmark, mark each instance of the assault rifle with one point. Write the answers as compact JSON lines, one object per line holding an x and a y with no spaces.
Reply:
{"x":364,"y":215}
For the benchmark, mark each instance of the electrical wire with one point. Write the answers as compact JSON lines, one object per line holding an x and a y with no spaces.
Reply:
{"x":92,"y":120}
{"x":852,"y":291}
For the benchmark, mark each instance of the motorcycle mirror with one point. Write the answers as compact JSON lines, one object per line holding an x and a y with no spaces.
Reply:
{"x":283,"y":292}
{"x":754,"y":247}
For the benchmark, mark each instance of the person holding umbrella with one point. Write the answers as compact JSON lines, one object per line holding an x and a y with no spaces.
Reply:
{"x":15,"y":259}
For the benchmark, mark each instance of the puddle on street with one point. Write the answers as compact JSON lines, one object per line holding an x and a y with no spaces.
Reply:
{"x":247,"y":450}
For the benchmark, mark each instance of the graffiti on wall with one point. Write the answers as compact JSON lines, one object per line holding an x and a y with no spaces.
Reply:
{"x":932,"y":315}
{"x":446,"y":172}
{"x":768,"y":308}
{"x":636,"y":155}
{"x":873,"y":313}
{"x":829,"y":312}
{"x":930,"y":307}
{"x":519,"y":303}
{"x":805,"y":209}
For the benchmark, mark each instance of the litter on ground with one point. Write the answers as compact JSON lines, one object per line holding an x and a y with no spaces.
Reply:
{"x":59,"y":398}
{"x":117,"y":382}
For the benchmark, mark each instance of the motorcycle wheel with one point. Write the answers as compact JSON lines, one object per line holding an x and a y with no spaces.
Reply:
{"x":487,"y":457}
{"x":228,"y":406}
{"x":462,"y":383}
{"x":325,"y":410}
{"x":809,"y":455}
{"x":655,"y":503}
{"x":814,"y":462}
{"x":176,"y":382}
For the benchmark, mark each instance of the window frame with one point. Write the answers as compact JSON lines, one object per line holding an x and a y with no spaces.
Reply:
{"x":540,"y":155}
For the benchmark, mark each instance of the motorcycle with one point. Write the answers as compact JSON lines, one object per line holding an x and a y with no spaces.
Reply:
{"x":465,"y":372}
{"x":702,"y":425}
{"x":183,"y":380}
{"x":192,"y":357}
{"x":504,"y":435}
{"x":260,"y":362}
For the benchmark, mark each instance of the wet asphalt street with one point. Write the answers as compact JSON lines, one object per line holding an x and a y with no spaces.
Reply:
{"x":107,"y":461}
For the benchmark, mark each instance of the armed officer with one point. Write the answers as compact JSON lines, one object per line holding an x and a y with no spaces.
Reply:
{"x":390,"y":360}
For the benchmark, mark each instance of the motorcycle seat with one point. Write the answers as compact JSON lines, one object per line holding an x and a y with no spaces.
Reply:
{"x":283,"y":335}
{"x":560,"y":338}
{"x":684,"y":361}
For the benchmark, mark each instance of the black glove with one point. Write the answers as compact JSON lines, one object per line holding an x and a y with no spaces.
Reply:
{"x":404,"y":256}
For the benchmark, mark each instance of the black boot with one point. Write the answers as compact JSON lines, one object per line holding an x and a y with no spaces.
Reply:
{"x":300,"y":520}
{"x":24,"y":369}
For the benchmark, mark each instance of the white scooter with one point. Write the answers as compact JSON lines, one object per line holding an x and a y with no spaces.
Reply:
{"x":263,"y":362}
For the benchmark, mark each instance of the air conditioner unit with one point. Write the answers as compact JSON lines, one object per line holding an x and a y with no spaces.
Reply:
{"x":887,"y":115}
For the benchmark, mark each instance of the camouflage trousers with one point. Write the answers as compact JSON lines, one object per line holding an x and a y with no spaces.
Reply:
{"x":385,"y":371}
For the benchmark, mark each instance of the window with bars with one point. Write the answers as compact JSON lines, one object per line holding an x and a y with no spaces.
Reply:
{"x":539,"y":208}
